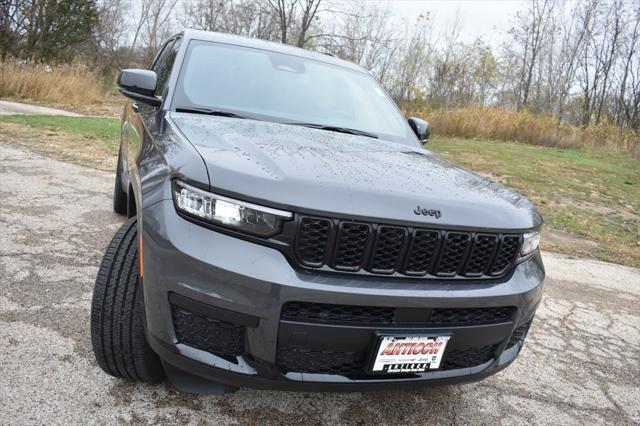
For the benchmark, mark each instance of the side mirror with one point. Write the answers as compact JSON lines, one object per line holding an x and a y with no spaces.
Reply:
{"x":420,"y":128}
{"x":139,"y":85}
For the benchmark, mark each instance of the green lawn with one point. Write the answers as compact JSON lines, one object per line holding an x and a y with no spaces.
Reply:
{"x":90,"y":141}
{"x":90,"y":128}
{"x":590,"y":200}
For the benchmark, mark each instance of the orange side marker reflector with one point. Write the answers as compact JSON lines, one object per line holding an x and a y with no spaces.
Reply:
{"x":141,"y":272}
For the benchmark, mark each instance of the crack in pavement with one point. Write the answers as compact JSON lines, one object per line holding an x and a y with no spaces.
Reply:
{"x":580,"y":362}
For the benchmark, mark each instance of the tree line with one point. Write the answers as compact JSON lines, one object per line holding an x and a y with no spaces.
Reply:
{"x":578,"y":62}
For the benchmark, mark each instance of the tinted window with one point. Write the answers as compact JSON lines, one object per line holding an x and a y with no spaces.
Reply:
{"x":285,"y":88}
{"x":164,"y":63}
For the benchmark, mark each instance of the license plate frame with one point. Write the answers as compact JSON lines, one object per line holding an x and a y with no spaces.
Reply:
{"x":409,"y":363}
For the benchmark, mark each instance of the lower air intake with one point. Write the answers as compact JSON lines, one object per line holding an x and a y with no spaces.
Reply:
{"x":208,"y":334}
{"x":300,"y":360}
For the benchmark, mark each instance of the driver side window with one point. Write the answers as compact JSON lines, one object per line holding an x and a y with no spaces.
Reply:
{"x":164,"y":63}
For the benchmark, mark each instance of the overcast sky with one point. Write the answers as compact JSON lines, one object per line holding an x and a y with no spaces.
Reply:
{"x":487,"y":18}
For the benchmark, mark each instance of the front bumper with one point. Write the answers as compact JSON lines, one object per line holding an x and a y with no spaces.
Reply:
{"x":227,"y":285}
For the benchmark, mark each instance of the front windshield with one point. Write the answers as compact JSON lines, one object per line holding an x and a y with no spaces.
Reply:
{"x":285,"y":88}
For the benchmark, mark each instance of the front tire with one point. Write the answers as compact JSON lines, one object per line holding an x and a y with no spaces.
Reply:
{"x":119,"y":196}
{"x":117,"y":327}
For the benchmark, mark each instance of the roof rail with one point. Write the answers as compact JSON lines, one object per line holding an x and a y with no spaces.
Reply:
{"x":329,"y":54}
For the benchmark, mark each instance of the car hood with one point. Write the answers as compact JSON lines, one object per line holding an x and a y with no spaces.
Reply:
{"x":305,"y":169}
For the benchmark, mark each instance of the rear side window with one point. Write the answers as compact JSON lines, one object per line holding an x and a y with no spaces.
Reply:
{"x":164,"y":64}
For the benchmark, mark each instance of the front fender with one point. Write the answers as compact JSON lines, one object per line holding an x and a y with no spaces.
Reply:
{"x":165,"y":154}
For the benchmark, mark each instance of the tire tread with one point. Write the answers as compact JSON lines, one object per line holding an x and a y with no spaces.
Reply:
{"x":117,"y":326}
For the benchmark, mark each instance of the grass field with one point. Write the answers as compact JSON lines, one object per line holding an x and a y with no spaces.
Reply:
{"x":90,"y":141}
{"x":64,"y":86}
{"x":590,"y":200}
{"x":526,"y":127}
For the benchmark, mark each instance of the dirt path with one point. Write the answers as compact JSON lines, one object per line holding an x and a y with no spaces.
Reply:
{"x":8,"y":107}
{"x":581,"y":362}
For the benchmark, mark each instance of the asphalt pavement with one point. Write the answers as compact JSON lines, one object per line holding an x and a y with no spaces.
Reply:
{"x":580,"y":363}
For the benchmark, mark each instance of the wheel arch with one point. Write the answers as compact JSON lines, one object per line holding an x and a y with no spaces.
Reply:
{"x":132,"y":206}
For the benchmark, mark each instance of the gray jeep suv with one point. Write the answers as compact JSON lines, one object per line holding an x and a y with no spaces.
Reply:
{"x":287,"y":230}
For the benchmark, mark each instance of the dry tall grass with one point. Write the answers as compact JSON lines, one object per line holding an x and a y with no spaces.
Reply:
{"x":496,"y":123}
{"x":79,"y":87}
{"x":62,"y":85}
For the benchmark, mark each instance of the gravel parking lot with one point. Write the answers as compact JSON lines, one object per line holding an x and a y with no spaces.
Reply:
{"x":581,"y":362}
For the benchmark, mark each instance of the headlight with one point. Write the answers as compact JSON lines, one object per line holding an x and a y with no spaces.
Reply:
{"x":530,"y":243}
{"x":227,"y":212}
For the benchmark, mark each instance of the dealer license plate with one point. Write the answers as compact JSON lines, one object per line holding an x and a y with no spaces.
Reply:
{"x":409,"y":354}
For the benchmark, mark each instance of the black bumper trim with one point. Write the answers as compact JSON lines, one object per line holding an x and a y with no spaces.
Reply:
{"x":213,"y":311}
{"x":169,"y":354}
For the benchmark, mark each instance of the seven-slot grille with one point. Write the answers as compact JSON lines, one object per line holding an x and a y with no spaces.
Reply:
{"x":351,"y":246}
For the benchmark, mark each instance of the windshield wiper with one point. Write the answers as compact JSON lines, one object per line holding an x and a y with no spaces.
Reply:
{"x":207,"y":111}
{"x":223,"y":113}
{"x":336,"y":129}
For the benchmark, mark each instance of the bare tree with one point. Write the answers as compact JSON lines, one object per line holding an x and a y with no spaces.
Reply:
{"x":109,"y":50}
{"x":208,"y":15}
{"x":241,"y":17}
{"x":627,"y":105}
{"x":157,"y":26}
{"x":364,"y":34}
{"x":578,"y":61}
{"x":309,"y":13}
{"x":529,"y":35}
{"x":609,"y":50}
{"x":13,"y":20}
{"x":412,"y":61}
{"x":141,"y":21}
{"x":447,"y":66}
{"x":284,"y":11}
{"x":565,"y":61}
